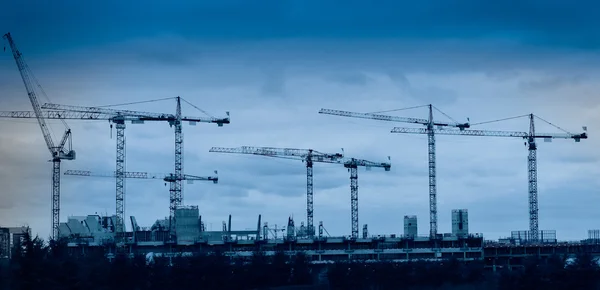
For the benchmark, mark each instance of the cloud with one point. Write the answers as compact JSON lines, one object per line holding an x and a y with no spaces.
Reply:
{"x":274,"y":90}
{"x":558,"y":24}
{"x":502,"y":75}
{"x":274,"y":84}
{"x":552,"y":82}
{"x":351,"y":78}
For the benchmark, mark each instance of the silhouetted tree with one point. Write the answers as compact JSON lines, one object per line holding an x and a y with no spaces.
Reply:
{"x":56,"y":266}
{"x":27,"y":264}
{"x":280,"y":270}
{"x":300,"y":272}
{"x":583,"y":273}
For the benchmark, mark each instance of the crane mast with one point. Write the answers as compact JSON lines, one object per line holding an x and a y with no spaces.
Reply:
{"x":532,"y":176}
{"x":429,"y":123}
{"x":530,"y":138}
{"x":57,"y":152}
{"x":309,"y":195}
{"x":432,"y":176}
{"x":176,"y":190}
{"x":120,"y":178}
{"x":352,"y":164}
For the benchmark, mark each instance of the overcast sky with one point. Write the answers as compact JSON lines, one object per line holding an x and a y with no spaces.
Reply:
{"x":273,"y":66}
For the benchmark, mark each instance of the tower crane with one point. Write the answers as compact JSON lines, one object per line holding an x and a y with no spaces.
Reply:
{"x":58,"y":152}
{"x":309,"y":156}
{"x":119,"y":117}
{"x":166,"y":177}
{"x":530,"y":138}
{"x":430,"y":124}
{"x":175,"y":121}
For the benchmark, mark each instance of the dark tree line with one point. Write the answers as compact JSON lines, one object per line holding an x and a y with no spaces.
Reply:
{"x":36,"y":265}
{"x":535,"y":273}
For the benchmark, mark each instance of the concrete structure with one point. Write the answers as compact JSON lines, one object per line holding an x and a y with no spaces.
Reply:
{"x":495,"y":255}
{"x":93,"y":228}
{"x":187,"y":228}
{"x":460,"y":222}
{"x":318,"y":250}
{"x":410,"y":226}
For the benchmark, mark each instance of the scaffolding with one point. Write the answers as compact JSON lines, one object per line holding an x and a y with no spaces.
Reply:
{"x":525,"y":237}
{"x":594,"y":236}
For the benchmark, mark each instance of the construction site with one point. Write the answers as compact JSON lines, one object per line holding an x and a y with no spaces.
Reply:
{"x":184,"y":231}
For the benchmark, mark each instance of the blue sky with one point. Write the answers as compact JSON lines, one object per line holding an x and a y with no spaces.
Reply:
{"x":273,"y":66}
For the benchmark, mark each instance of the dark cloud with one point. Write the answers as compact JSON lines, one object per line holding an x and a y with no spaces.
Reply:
{"x":351,"y":78}
{"x":553,"y":82}
{"x":554,"y":23}
{"x":502,"y":75}
{"x":274,"y":81}
{"x":423,"y":94}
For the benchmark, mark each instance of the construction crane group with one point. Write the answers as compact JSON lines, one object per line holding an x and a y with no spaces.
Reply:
{"x":429,"y":123}
{"x":117,"y":117}
{"x":64,"y":151}
{"x":440,"y":128}
{"x":309,"y":156}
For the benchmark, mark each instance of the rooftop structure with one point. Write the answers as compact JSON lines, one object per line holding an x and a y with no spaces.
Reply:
{"x":410,"y":226}
{"x":460,"y":222}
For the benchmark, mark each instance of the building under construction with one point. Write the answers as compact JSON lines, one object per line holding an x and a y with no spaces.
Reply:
{"x":96,"y":232}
